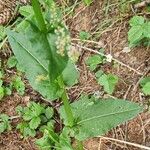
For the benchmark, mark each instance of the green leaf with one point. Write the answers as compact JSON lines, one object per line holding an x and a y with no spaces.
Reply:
{"x":7,"y":91}
{"x":33,"y":58}
{"x":44,"y":143}
{"x":93,"y":61}
{"x":135,"y":34}
{"x":96,"y":117}
{"x":28,"y":114}
{"x":146,"y":28}
{"x":144,"y":81}
{"x":49,"y":112}
{"x":87,"y":2}
{"x":4,"y":123}
{"x":34,"y":123}
{"x":109,"y":82}
{"x":137,"y":20}
{"x":20,"y":68}
{"x":32,"y":111}
{"x":18,"y":85}
{"x":12,"y":62}
{"x":36,"y":50}
{"x":26,"y":11}
{"x":2,"y":93}
{"x":146,"y":88}
{"x":25,"y":129}
{"x":99,"y":73}
{"x":70,"y":74}
{"x":65,"y":140}
{"x":19,"y":110}
{"x":84,"y":35}
{"x":36,"y":108}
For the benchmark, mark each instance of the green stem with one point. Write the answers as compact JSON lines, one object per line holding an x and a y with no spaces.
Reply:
{"x":38,"y":15}
{"x":67,"y":106}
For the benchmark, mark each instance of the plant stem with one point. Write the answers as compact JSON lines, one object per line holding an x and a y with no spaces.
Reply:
{"x":67,"y":109}
{"x":38,"y":15}
{"x":65,"y":100}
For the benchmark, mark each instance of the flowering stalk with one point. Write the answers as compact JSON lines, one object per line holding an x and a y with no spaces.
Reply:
{"x":65,"y":100}
{"x":38,"y":15}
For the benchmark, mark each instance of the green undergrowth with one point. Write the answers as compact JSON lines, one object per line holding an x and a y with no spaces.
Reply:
{"x":42,"y":49}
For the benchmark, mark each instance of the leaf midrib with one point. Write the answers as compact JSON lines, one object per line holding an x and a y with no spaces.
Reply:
{"x":38,"y":61}
{"x":105,"y":115}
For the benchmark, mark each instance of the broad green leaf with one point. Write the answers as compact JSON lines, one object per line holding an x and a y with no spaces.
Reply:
{"x":93,"y":61}
{"x":56,"y":60}
{"x":144,"y":81}
{"x":97,"y":117}
{"x":109,"y":82}
{"x":135,"y":34}
{"x":20,"y":67}
{"x":32,"y":55}
{"x":137,"y":20}
{"x":70,"y":74}
{"x":33,"y":51}
{"x":146,"y":88}
{"x":34,"y":123}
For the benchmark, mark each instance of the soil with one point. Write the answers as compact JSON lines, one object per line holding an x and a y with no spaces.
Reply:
{"x":108,"y":27}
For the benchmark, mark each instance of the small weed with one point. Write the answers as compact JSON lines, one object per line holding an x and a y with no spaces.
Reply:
{"x":34,"y":116}
{"x":18,"y":85}
{"x":94,"y":61}
{"x":42,"y":49}
{"x":139,"y":31}
{"x":108,"y":82}
{"x":4,"y":123}
{"x":84,"y":35}
{"x":145,"y":84}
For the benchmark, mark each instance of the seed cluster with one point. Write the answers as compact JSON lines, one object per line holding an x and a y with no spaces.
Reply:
{"x":63,"y":40}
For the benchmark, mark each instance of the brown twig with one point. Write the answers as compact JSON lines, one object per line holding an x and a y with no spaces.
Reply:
{"x":142,"y":4}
